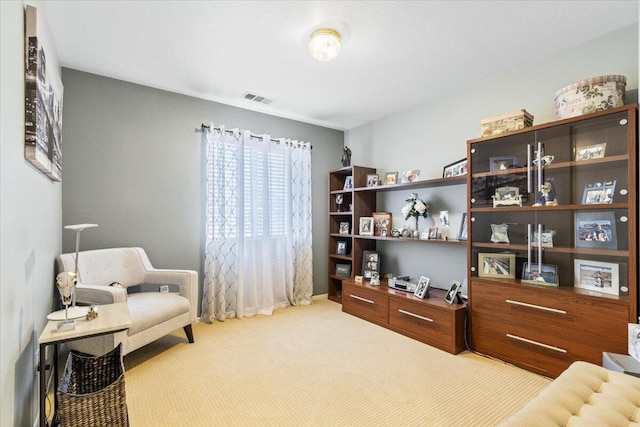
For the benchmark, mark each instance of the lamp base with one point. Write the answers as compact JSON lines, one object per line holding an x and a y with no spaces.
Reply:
{"x":76,"y":312}
{"x":66,"y":325}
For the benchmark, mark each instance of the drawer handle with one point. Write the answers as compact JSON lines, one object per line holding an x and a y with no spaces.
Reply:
{"x":408,"y":313}
{"x":361,"y":299}
{"x":539,"y":344}
{"x":539,"y":307}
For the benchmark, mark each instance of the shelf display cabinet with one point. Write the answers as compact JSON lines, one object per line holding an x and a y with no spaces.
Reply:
{"x":552,"y":254}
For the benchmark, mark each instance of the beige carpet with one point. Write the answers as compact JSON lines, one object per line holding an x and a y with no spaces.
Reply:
{"x":316,"y":366}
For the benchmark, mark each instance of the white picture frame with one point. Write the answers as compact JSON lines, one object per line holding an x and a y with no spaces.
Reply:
{"x":422,"y":288}
{"x":597,"y":276}
{"x":348,"y":183}
{"x":366,"y":226}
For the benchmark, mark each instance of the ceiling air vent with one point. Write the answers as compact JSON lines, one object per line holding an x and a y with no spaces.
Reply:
{"x":257,"y":98}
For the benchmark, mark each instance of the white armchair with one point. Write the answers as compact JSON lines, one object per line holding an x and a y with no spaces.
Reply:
{"x":154,"y":314}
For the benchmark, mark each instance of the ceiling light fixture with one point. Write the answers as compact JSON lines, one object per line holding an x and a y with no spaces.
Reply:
{"x":324,"y":45}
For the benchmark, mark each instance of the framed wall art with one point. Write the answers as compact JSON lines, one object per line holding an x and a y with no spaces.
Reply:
{"x":455,"y":169}
{"x":597,"y":276}
{"x":43,"y":97}
{"x":595,"y":229}
{"x":499,"y":265}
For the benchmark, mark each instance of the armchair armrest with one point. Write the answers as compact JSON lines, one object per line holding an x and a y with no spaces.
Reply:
{"x":92,"y":294}
{"x":186,"y":280}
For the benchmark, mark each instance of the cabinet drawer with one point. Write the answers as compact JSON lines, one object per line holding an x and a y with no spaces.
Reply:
{"x":423,"y":322}
{"x":366,"y":303}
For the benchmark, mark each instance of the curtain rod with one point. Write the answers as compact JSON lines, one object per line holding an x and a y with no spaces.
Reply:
{"x":203,"y":127}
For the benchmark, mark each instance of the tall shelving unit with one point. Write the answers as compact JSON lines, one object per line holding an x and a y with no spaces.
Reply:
{"x":540,"y":327}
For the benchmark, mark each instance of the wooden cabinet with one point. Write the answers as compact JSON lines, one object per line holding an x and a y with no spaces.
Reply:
{"x":432,"y":320}
{"x":579,"y":291}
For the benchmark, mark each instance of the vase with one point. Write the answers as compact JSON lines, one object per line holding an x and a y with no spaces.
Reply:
{"x":416,"y":232}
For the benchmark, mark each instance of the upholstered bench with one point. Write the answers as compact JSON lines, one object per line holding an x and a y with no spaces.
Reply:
{"x":583,"y":395}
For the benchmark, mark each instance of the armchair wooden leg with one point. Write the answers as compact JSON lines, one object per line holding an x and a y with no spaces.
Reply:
{"x":189,"y":332}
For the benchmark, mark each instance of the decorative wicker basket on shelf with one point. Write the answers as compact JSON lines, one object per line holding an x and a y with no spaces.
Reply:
{"x":92,"y":391}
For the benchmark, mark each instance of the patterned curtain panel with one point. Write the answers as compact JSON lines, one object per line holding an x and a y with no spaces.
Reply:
{"x":258,"y":224}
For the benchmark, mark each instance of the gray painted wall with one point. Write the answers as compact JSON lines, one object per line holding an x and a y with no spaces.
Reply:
{"x":30,"y":236}
{"x":134,"y":165}
{"x":435,"y":134}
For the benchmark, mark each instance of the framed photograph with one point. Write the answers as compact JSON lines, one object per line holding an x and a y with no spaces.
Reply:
{"x":545,"y":240}
{"x":462,"y":234}
{"x":544,"y":274}
{"x":591,"y":152}
{"x":370,"y":263}
{"x":499,"y":233}
{"x":444,"y":219}
{"x":341,"y":247}
{"x":433,"y":233}
{"x":348,"y":183}
{"x":502,"y":163}
{"x":411,"y":175}
{"x":366,"y":226}
{"x":453,"y":295}
{"x":372,"y":180}
{"x":422,"y":289}
{"x":596,"y":276}
{"x":599,"y":193}
{"x":595,"y":229}
{"x":381,"y":222}
{"x":391,"y":178}
{"x":343,"y":270}
{"x":344,"y":228}
{"x":455,"y":169}
{"x":499,"y":265}
{"x":507,"y":196}
{"x":43,"y":98}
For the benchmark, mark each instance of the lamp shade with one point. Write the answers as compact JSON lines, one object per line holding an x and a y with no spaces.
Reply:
{"x":324,"y":45}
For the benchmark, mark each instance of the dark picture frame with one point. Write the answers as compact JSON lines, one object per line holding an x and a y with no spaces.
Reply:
{"x":370,"y":263}
{"x":455,"y":169}
{"x":341,"y":247}
{"x":599,"y":193}
{"x":462,"y":234}
{"x":344,"y":227}
{"x":502,"y":163}
{"x":595,"y":230}
{"x":343,"y":270}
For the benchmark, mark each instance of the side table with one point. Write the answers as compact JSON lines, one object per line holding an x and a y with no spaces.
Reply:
{"x":111,"y":318}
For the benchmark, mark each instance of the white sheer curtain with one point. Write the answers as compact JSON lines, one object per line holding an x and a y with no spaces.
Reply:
{"x":258,"y":226}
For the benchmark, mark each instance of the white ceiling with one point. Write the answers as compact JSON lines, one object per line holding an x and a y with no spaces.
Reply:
{"x":395,"y":54}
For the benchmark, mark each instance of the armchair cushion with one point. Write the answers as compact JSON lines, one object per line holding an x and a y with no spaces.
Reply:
{"x":154,"y":314}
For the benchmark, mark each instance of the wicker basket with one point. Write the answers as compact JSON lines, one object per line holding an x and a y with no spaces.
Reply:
{"x":92,"y":391}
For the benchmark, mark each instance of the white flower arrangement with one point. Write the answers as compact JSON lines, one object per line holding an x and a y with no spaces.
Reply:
{"x":415,"y":207}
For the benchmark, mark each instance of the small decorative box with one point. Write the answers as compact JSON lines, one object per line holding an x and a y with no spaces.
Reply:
{"x":506,"y":122}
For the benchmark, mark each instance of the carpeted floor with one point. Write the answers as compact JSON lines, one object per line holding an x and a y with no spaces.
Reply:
{"x":316,"y":366}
